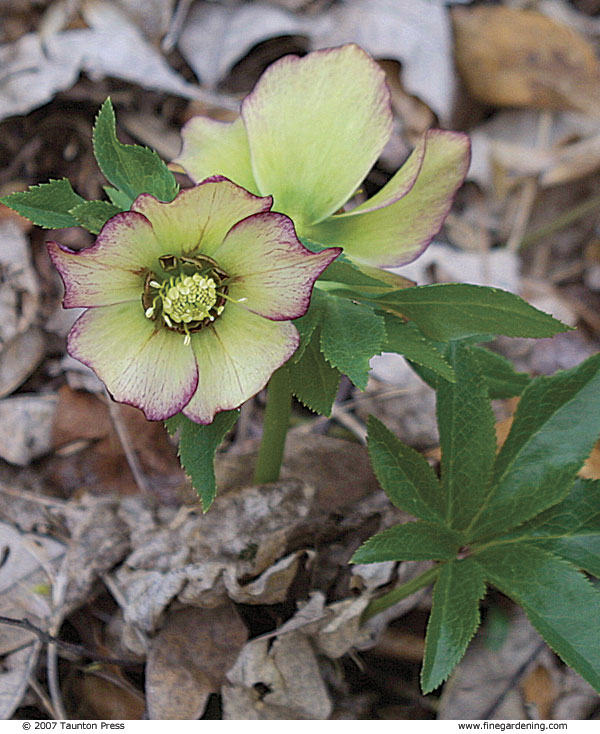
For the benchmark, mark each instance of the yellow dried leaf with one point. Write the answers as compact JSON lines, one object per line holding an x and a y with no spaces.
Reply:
{"x":521,"y":58}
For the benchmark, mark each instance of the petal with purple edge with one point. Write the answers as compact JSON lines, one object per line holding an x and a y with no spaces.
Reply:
{"x":400,"y":183}
{"x":211,"y":147}
{"x":236,"y":357}
{"x":398,"y":233}
{"x":316,"y":125}
{"x":269,"y":267}
{"x":141,"y":365}
{"x":111,"y":270}
{"x":198,"y":218}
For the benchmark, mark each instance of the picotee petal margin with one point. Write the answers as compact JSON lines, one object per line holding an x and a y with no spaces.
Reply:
{"x":111,"y":270}
{"x":236,"y":357}
{"x":270,"y":268}
{"x":140,"y":365}
{"x":316,"y":125}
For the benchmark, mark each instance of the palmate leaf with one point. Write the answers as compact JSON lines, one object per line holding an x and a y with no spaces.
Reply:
{"x":93,"y":215}
{"x":313,"y":380}
{"x":406,"y":477}
{"x":404,"y":337}
{"x":448,"y":311}
{"x":351,"y":333}
{"x":560,"y":602}
{"x":132,"y":169}
{"x":467,"y":438}
{"x":411,"y":541}
{"x":570,"y":529}
{"x":47,"y":205}
{"x":453,"y":621}
{"x":197,"y":447}
{"x":555,"y":427}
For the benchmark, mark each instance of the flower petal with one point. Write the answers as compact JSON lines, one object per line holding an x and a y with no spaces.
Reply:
{"x":316,"y":125}
{"x":270,"y":267}
{"x":111,"y":270}
{"x":198,"y":218}
{"x":236,"y":357}
{"x":400,"y":183}
{"x":396,"y":234}
{"x":211,"y":147}
{"x":140,"y":365}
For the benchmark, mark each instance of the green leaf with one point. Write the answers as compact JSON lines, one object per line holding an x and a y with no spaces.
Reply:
{"x":406,"y":477}
{"x":407,"y":339}
{"x":118,"y":198}
{"x":314,"y":381}
{"x":344,"y":271}
{"x":467,"y":438}
{"x":197,"y":447}
{"x":308,"y":323}
{"x":351,"y":333}
{"x":500,"y":376}
{"x":412,"y":541}
{"x":131,"y":168}
{"x":47,"y":205}
{"x":570,"y":529}
{"x":555,"y":428}
{"x":446,"y":311}
{"x":93,"y":215}
{"x":453,"y":621}
{"x":559,"y":601}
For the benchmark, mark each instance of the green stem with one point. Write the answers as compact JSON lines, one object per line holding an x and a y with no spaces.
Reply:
{"x":400,"y":592}
{"x":275,"y":426}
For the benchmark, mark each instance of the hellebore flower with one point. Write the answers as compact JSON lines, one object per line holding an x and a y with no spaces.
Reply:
{"x":308,"y":135}
{"x":189,"y":303}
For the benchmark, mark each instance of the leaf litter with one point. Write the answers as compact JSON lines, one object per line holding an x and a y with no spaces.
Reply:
{"x":266,"y":570}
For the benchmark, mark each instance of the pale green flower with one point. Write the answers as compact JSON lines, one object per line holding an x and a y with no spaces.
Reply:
{"x":189,"y":303}
{"x":308,"y":135}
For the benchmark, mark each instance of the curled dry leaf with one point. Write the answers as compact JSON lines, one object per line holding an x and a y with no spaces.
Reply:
{"x":275,"y":681}
{"x":521,"y":58}
{"x":188,"y":660}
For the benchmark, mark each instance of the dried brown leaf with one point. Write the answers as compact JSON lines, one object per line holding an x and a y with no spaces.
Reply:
{"x":521,"y":58}
{"x":188,"y":660}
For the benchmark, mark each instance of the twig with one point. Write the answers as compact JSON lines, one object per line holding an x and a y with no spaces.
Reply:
{"x":128,"y":450}
{"x":41,"y":694}
{"x":487,"y":714}
{"x":67,"y":647}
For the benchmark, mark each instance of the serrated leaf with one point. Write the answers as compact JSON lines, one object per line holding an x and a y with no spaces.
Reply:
{"x":447,"y":311}
{"x":197,"y":447}
{"x":344,"y":271}
{"x":307,"y":324}
{"x":47,"y":205}
{"x":405,"y":476}
{"x":453,"y":621}
{"x":351,"y":333}
{"x":467,"y":438}
{"x":559,"y":601}
{"x":412,"y":541}
{"x":570,"y":529}
{"x":555,"y":428}
{"x":93,"y":215}
{"x":118,"y":198}
{"x":500,"y":376}
{"x":407,"y":339}
{"x":313,"y":380}
{"x":131,"y":168}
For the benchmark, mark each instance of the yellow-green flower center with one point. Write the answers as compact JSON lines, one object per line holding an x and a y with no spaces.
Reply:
{"x":188,"y":298}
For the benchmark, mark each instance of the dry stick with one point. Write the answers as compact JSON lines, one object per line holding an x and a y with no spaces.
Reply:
{"x":123,"y":434}
{"x":529,"y":189}
{"x":68,"y":647}
{"x":41,"y":694}
{"x":487,"y":714}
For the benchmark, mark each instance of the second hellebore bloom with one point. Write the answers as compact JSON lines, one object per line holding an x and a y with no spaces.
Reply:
{"x":308,"y":135}
{"x":189,"y":303}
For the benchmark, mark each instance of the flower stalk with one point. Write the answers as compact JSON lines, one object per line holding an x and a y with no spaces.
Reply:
{"x":275,"y":425}
{"x":376,"y":606}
